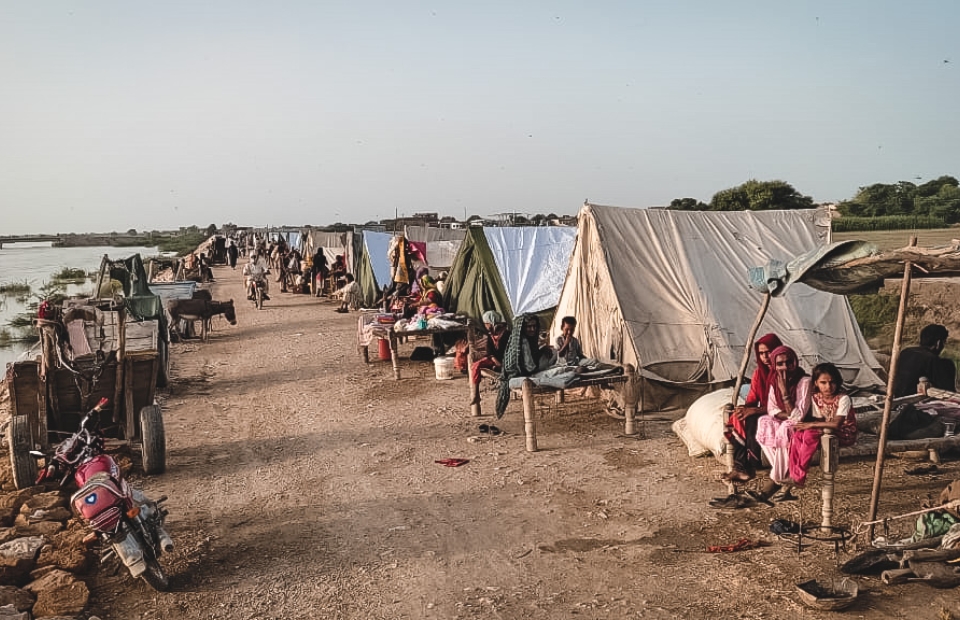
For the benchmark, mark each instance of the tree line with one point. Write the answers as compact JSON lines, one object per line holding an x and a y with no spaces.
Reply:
{"x":904,"y":203}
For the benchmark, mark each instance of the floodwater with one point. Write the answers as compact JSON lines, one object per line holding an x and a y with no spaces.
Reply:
{"x":35,"y":263}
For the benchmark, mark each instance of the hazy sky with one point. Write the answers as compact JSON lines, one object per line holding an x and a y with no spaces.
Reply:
{"x":117,"y":115}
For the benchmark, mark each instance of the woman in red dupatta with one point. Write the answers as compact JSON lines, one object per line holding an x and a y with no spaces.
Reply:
{"x":787,"y":405}
{"x":746,"y":450}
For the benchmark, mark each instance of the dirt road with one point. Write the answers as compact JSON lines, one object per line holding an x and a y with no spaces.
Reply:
{"x":302,"y":484}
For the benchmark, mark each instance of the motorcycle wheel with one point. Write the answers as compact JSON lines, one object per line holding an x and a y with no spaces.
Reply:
{"x":258,"y":297}
{"x":154,"y":575}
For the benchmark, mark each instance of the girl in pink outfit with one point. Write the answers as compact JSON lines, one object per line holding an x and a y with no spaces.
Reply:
{"x":787,"y":405}
{"x":830,"y":409}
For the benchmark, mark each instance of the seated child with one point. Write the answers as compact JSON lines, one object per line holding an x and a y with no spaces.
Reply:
{"x":569,"y":352}
{"x":349,"y":295}
{"x":830,"y":408}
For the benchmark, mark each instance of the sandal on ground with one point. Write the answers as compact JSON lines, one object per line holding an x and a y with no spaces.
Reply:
{"x":489,"y":428}
{"x":760,"y":498}
{"x":786,"y":496}
{"x":733,"y":501}
{"x":736,"y":476}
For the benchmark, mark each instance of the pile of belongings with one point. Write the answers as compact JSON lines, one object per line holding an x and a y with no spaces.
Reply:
{"x":931,"y":555}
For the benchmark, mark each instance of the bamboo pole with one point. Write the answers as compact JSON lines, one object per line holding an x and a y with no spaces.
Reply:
{"x":888,"y":400}
{"x":744,"y":361}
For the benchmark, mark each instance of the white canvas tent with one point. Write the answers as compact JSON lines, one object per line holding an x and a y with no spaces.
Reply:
{"x":512,"y":270}
{"x":668,"y":291}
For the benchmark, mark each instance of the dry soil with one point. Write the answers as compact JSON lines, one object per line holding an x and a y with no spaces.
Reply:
{"x":303,"y":484}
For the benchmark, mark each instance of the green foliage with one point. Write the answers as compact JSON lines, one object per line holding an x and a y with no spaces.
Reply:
{"x":760,"y":196}
{"x":937,"y":198}
{"x":688,"y":204}
{"x":753,"y":195}
{"x":183,"y":244}
{"x":887,"y":222}
{"x":15,"y":288}
{"x":69,"y":274}
{"x":874,"y":312}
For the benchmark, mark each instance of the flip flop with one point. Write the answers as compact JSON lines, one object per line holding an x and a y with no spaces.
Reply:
{"x":493,"y":430}
{"x":484,"y":428}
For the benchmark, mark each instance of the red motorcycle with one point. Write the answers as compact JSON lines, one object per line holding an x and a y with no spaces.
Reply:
{"x":120,"y":516}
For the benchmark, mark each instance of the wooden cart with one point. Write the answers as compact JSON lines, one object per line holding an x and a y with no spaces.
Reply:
{"x":89,"y":350}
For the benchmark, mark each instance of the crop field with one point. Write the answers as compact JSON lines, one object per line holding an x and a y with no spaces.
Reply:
{"x":892,"y":239}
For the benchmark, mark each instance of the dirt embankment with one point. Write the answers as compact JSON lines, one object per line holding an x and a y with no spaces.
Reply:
{"x":303,"y":484}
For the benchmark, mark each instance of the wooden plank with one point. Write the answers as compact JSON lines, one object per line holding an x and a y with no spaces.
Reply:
{"x":131,"y":426}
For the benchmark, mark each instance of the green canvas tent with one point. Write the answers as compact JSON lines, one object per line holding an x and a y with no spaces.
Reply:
{"x":512,"y":270}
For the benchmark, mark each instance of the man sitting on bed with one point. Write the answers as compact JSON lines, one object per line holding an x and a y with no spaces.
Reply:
{"x":925,"y":361}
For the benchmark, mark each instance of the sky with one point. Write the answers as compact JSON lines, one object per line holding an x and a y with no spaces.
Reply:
{"x":155,"y":115}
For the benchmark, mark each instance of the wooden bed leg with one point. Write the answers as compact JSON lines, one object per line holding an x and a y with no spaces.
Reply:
{"x":630,"y":395}
{"x":365,"y":354}
{"x":934,"y":455}
{"x":829,"y":460}
{"x":561,"y":397}
{"x":529,"y":415}
{"x":474,"y":398}
{"x":394,"y":358}
{"x":474,"y":388}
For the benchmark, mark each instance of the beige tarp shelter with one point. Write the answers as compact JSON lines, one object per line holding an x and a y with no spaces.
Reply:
{"x":442,"y":244}
{"x":333,"y":243}
{"x":669,"y":292}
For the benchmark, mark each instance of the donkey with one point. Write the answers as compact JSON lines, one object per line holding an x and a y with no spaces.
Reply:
{"x":200,"y":310}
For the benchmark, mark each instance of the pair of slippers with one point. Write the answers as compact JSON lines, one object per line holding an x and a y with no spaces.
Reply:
{"x":489,"y":428}
{"x":733,"y":501}
{"x":783,"y":496}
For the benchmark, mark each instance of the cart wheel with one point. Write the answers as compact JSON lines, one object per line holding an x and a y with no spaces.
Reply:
{"x":24,"y":466}
{"x":154,"y":440}
{"x":163,"y":363}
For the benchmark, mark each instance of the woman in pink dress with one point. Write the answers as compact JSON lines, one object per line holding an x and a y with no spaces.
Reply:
{"x":787,"y":405}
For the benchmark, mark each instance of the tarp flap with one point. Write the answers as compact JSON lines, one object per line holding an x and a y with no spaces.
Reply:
{"x":821,"y":268}
{"x":679,"y":279}
{"x":856,"y":266}
{"x":532,"y":262}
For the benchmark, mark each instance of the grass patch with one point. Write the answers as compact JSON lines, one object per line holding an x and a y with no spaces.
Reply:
{"x":183,"y":244}
{"x":15,"y":288}
{"x":69,"y":274}
{"x":874,"y":312}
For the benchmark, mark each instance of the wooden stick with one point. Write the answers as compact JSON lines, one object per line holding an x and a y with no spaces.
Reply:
{"x":888,"y":400}
{"x":744,"y":361}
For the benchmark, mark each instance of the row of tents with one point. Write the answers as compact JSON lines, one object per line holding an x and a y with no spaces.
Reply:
{"x":667,"y":291}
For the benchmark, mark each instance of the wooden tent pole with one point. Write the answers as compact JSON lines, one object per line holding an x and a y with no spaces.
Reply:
{"x":744,"y":361}
{"x":888,"y":400}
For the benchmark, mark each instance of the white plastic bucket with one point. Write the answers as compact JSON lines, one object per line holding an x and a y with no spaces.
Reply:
{"x":443,"y":366}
